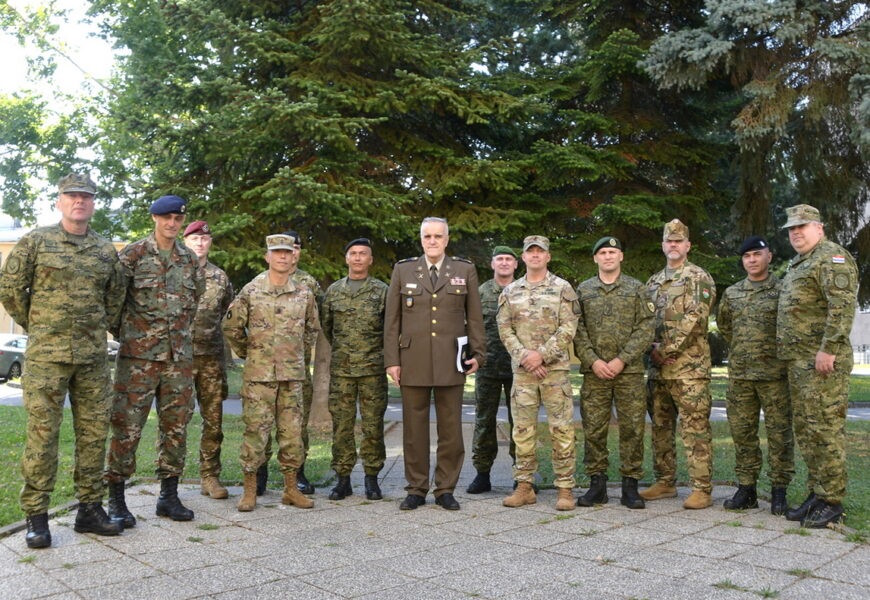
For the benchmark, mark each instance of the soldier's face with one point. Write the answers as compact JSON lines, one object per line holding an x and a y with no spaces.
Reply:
{"x":608,"y":260}
{"x":77,"y":207}
{"x":166,"y":227}
{"x":536,"y":259}
{"x":434,"y":238}
{"x":280,"y":261}
{"x":504,"y":265}
{"x":199,"y":243}
{"x":676,"y":251}
{"x":804,"y":238}
{"x":756,"y":263}
{"x":358,"y":259}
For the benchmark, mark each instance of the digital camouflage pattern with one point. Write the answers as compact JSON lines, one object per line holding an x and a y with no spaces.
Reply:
{"x":816,"y":309}
{"x":208,"y":338}
{"x":756,"y":381}
{"x":616,"y":321}
{"x":372,"y":393}
{"x":268,"y":404}
{"x":541,"y":316}
{"x":498,"y":360}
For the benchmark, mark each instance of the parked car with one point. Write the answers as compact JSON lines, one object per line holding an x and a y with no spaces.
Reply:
{"x":12,"y":355}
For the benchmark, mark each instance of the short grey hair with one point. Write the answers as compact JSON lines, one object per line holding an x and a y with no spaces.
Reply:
{"x":435,"y":220}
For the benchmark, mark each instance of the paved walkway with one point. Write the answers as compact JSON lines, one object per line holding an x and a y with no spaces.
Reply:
{"x":360,"y":549}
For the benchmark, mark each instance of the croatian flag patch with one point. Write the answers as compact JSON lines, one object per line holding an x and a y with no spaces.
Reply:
{"x":838,"y":260}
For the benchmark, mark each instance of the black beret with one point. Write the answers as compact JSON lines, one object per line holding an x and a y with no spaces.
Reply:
{"x":753,"y":242}
{"x":165,"y":205}
{"x":358,"y":242}
{"x":609,"y":241}
{"x":295,"y":236}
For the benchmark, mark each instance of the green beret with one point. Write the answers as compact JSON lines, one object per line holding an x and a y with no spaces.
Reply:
{"x":503,"y":250}
{"x":608,"y":241}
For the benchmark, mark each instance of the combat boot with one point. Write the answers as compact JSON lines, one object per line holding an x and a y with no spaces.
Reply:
{"x":564,"y":499}
{"x":292,"y":494}
{"x":597,"y":492}
{"x":91,"y":518}
{"x":211,"y":487}
{"x":745,"y":497}
{"x":38,"y":535}
{"x":524,"y":494}
{"x":249,"y":496}
{"x":373,"y":490}
{"x":822,"y":514}
{"x":302,"y":483}
{"x":630,"y":497}
{"x":168,"y":504}
{"x":262,"y":478}
{"x":480,"y":484}
{"x":659,"y":490}
{"x":698,"y":499}
{"x":799,"y":513}
{"x":778,"y":504}
{"x":342,"y":489}
{"x":118,"y":505}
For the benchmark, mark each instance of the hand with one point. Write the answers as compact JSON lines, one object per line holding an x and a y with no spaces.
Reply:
{"x":395,"y":374}
{"x":602,"y":370}
{"x":472,"y":365}
{"x":540,"y":372}
{"x":616,"y":366}
{"x":825,"y":362}
{"x":531,"y":360}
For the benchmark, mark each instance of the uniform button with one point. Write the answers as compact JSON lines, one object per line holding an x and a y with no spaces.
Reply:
{"x":434,"y":321}
{"x":434,"y":295}
{"x":434,"y":308}
{"x":433,"y":334}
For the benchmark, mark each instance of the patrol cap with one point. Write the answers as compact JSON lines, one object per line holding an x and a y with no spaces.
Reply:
{"x":753,"y":242}
{"x":801,"y":214}
{"x":606,"y":242}
{"x":499,"y":250}
{"x":280,"y":241}
{"x":296,"y":239}
{"x":536,"y":240}
{"x":199,"y":227}
{"x":77,"y":182}
{"x":675,"y":230}
{"x":357,"y":242}
{"x":165,"y":205}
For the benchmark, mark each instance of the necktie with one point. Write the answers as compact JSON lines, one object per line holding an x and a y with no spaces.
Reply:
{"x":433,"y":274}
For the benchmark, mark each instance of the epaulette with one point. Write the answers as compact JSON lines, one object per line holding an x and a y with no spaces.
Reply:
{"x":404,"y":260}
{"x":461,"y":259}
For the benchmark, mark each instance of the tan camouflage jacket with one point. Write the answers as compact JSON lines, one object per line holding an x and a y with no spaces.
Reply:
{"x":747,"y":322}
{"x":161,"y":302}
{"x":66,"y":291}
{"x":208,"y":338}
{"x":353,"y":324}
{"x":683,"y":305}
{"x":498,"y":361}
{"x":616,"y":321}
{"x":539,"y":316}
{"x":268,"y":326}
{"x":817,"y":304}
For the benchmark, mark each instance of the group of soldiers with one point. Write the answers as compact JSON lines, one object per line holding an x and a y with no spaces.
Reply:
{"x":173,"y":312}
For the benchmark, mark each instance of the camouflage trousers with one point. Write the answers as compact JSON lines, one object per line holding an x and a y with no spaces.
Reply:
{"x":819,"y":405}
{"x":210,"y":381}
{"x":268,"y":404}
{"x":45,"y":386}
{"x":554,"y":392}
{"x":690,"y":400}
{"x":487,"y":395}
{"x":745,"y":401}
{"x":371,"y":391}
{"x":627,"y":393}
{"x":138,"y":383}
{"x":307,"y":399}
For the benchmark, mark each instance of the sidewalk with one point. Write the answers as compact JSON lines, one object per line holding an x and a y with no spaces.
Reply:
{"x":361,"y":549}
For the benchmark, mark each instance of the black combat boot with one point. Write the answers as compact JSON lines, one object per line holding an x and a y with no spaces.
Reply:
{"x":342,"y":489}
{"x":262,"y":478}
{"x":168,"y":505}
{"x":597,"y":493}
{"x":373,"y":490}
{"x":480,"y":484}
{"x":302,"y":483}
{"x":778,"y":504}
{"x":821,"y":514}
{"x":745,"y":497}
{"x":630,"y":497}
{"x":118,"y":506}
{"x":91,"y":518}
{"x":799,"y":513}
{"x":38,"y":535}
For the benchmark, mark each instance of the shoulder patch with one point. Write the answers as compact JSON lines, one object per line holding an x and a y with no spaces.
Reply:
{"x":841,"y":280}
{"x":461,"y":259}
{"x":838,"y":259}
{"x":13,"y":265}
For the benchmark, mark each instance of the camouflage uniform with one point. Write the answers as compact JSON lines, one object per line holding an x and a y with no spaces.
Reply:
{"x":65,"y":290}
{"x":493,"y":377}
{"x":155,"y":360}
{"x":682,"y":299}
{"x":267,"y":326}
{"x":209,"y":366}
{"x":816,"y":308}
{"x":756,"y":381}
{"x":616,"y":321}
{"x":541,"y":316}
{"x":353,"y":323}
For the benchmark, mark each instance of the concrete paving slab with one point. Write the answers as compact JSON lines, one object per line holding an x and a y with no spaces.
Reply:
{"x":159,"y":586}
{"x":284,"y":588}
{"x":846,"y":570}
{"x":32,"y":583}
{"x":301,"y":563}
{"x":105,"y":572}
{"x":696,"y":546}
{"x":811,"y":587}
{"x":356,"y":580}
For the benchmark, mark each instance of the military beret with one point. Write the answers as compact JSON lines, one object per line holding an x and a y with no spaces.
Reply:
{"x":801,"y":214}
{"x":753,"y":242}
{"x":77,"y":182}
{"x":165,"y":205}
{"x":503,"y":250}
{"x":200,"y":227}
{"x":357,"y":242}
{"x":536,"y":240}
{"x":280,"y":241}
{"x":296,"y":239}
{"x":675,"y":230}
{"x":607,"y":241}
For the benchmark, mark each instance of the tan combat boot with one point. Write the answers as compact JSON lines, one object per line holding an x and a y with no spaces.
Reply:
{"x":524,"y":494}
{"x":698,"y":499}
{"x":211,"y":486}
{"x":249,"y":496}
{"x":658,"y":490}
{"x":564,"y":499}
{"x":292,"y":495}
